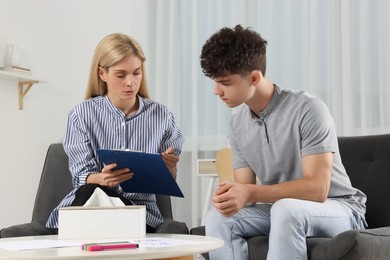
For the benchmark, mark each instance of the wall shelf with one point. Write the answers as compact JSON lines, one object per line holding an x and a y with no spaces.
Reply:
{"x":25,"y":82}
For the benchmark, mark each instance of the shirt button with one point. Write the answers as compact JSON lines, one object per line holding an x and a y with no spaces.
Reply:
{"x":123,"y":123}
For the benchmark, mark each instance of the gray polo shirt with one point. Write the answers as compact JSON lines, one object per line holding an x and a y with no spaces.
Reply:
{"x":293,"y":125}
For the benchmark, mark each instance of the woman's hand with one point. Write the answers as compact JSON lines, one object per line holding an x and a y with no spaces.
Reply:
{"x":170,"y":160}
{"x":109,"y":177}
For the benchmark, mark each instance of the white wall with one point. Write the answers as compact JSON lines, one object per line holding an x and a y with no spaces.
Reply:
{"x":56,"y":39}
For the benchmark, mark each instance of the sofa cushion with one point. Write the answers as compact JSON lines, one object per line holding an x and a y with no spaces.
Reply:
{"x":367,"y":161}
{"x":352,"y":245}
{"x":258,"y":247}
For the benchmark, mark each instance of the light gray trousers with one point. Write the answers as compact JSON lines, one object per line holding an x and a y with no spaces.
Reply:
{"x":287,"y":223}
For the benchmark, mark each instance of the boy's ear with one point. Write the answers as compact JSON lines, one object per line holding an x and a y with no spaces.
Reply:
{"x":256,"y":77}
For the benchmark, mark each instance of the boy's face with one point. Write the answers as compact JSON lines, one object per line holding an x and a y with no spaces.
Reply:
{"x":234,"y":89}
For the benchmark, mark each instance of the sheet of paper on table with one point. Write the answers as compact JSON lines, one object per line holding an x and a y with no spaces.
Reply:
{"x":36,"y":244}
{"x":165,"y":242}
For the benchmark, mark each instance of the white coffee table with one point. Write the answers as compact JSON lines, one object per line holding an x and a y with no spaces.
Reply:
{"x":210,"y":243}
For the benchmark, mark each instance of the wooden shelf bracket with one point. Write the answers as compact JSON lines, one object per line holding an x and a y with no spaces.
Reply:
{"x":24,"y":87}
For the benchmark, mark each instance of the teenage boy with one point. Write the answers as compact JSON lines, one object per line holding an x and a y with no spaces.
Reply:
{"x":287,"y":139}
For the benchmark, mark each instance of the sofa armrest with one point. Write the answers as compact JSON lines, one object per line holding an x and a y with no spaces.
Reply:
{"x":200,"y":231}
{"x":172,"y":227}
{"x":353,"y":245}
{"x":28,"y":229}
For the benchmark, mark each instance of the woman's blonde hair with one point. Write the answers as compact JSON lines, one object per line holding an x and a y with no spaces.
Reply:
{"x":110,"y":50}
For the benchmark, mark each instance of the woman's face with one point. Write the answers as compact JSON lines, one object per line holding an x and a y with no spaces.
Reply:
{"x":123,"y":80}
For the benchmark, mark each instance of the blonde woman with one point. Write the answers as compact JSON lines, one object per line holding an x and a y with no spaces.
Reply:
{"x":117,"y":114}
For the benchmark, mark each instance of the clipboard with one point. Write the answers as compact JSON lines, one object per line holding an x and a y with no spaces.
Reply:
{"x":151,"y":175}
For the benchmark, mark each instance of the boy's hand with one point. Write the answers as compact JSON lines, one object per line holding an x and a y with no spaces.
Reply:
{"x":230,"y":197}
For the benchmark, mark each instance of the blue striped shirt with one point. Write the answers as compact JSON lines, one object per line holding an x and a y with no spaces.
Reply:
{"x":97,"y":123}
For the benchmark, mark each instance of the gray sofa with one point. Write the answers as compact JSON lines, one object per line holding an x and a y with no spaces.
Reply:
{"x":367,"y":161}
{"x":55,"y":183}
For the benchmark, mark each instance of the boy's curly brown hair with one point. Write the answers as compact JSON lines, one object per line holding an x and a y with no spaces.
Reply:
{"x":233,"y":51}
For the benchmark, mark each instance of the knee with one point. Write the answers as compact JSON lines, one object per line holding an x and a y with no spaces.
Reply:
{"x":218,"y":225}
{"x":215,"y":223}
{"x":286,"y":211}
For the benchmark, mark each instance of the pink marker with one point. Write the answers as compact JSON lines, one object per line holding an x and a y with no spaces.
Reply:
{"x":102,"y":247}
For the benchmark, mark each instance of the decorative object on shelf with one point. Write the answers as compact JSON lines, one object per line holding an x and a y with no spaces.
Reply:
{"x":17,"y":69}
{"x":12,"y":57}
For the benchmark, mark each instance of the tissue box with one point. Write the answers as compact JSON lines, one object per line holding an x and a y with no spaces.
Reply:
{"x":102,"y":222}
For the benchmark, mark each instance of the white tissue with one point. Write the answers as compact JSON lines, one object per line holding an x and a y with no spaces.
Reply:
{"x":100,"y":199}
